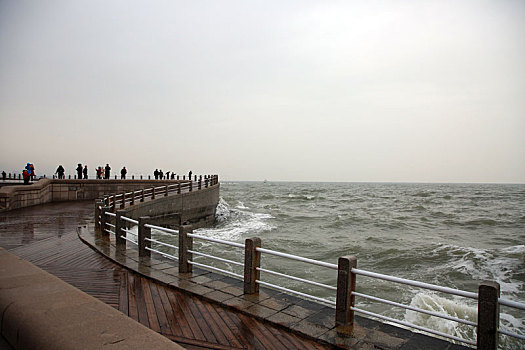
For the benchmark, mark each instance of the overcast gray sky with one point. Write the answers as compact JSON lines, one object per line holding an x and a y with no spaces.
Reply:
{"x":417,"y":91}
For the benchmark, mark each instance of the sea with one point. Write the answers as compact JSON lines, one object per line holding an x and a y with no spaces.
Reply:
{"x":451,"y":235}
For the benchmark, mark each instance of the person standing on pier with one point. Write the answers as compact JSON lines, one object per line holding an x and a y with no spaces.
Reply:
{"x":79,"y":171}
{"x":161,"y":174}
{"x":3,"y":175}
{"x":99,"y":173}
{"x":85,"y":171}
{"x":189,"y":175}
{"x":123,"y":173}
{"x":156,"y":174}
{"x":107,"y":169}
{"x":60,"y":171}
{"x":31,"y":171}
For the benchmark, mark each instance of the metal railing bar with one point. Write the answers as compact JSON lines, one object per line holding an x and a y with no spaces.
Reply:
{"x":163,"y":254}
{"x":161,"y":243}
{"x":111,"y":214}
{"x":297,"y":258}
{"x":511,"y":303}
{"x":233,"y":244}
{"x":297,"y":279}
{"x":109,"y":231}
{"x":215,"y":269}
{"x":110,"y":225}
{"x":129,"y":240}
{"x":295,"y":292}
{"x":130,"y":232}
{"x":216,"y":258}
{"x":514,"y":335}
{"x":160,"y":228}
{"x":129,"y":220}
{"x":393,"y":303}
{"x":407,"y":324}
{"x":417,"y":284}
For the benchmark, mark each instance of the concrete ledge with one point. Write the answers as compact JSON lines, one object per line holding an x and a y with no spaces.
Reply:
{"x":40,"y":311}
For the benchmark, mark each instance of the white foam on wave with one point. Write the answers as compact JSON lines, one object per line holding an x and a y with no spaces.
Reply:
{"x":455,"y":308}
{"x":498,"y":264}
{"x":234,"y":223}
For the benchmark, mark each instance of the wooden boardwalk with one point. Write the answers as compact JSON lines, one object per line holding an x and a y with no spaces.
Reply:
{"x":46,"y":236}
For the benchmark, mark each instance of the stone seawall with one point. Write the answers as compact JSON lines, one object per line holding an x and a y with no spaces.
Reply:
{"x":48,"y":190}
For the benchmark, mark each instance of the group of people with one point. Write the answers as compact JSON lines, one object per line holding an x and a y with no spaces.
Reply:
{"x":82,"y":172}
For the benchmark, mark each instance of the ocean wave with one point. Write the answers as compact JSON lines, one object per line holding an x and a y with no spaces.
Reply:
{"x":455,"y":308}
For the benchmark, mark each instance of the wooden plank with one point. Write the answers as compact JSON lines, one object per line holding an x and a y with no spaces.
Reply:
{"x":159,"y":309}
{"x":258,"y":335}
{"x":123,"y":304}
{"x":234,"y":324}
{"x":150,"y":308}
{"x":221,"y":323}
{"x":199,"y":344}
{"x":170,"y":314}
{"x":191,"y":304}
{"x":210,"y":320}
{"x":184,"y":318}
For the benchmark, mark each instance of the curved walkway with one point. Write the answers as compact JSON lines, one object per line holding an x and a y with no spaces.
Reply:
{"x":46,"y":236}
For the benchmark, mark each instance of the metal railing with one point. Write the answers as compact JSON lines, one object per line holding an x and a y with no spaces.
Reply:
{"x":487,"y":296}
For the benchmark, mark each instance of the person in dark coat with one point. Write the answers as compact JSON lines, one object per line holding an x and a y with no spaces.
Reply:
{"x":156,"y":173}
{"x":161,"y":174}
{"x":60,"y":172}
{"x":79,"y":171}
{"x":85,"y":172}
{"x":123,"y":173}
{"x":107,"y":169}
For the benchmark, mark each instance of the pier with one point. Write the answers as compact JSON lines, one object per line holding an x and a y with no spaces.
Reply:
{"x":195,"y":305}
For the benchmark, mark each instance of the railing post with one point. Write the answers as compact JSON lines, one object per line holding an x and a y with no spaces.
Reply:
{"x":185,"y":244}
{"x":153,"y":193}
{"x":133,"y":197}
{"x":178,"y":188}
{"x":113,"y":201}
{"x":191,"y":185}
{"x":200,"y":183}
{"x":252,"y":260}
{"x":345,"y":286}
{"x":166,"y":191}
{"x":488,"y":315}
{"x":103,"y":220}
{"x":144,"y":232}
{"x":98,"y":205}
{"x":123,"y":203}
{"x":206,"y":184}
{"x":142,"y":195}
{"x":119,"y":224}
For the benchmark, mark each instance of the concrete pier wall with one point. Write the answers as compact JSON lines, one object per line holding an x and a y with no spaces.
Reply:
{"x":49,"y":190}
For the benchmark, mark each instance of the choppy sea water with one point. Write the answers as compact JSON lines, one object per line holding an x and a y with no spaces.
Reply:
{"x":453,"y":235}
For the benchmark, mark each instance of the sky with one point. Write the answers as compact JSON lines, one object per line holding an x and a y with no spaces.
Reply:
{"x":372,"y":91}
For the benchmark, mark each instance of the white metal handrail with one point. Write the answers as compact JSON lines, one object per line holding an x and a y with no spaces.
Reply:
{"x":233,"y":244}
{"x":160,"y":228}
{"x":297,"y":258}
{"x":110,"y":224}
{"x":411,"y":325}
{"x":216,"y":258}
{"x":163,"y":254}
{"x":416,"y":284}
{"x":510,"y":303}
{"x":129,"y":240}
{"x":161,"y":243}
{"x":129,"y":220}
{"x":129,"y":231}
{"x":111,"y":214}
{"x":295,"y":292}
{"x":215,"y":269}
{"x":393,"y":303}
{"x":297,"y":278}
{"x":510,"y":334}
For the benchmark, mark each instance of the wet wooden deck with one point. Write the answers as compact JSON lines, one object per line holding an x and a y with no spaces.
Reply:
{"x":46,"y":236}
